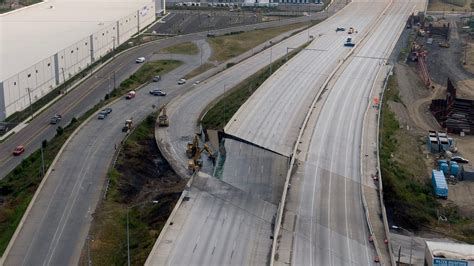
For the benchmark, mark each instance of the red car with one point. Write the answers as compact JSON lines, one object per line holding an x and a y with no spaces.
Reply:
{"x":18,"y":150}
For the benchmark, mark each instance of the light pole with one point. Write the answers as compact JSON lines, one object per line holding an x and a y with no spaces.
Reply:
{"x":29,"y":97}
{"x":411,"y":242}
{"x":128,"y":231}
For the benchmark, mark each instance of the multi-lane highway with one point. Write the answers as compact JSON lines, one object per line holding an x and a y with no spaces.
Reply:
{"x":55,"y":229}
{"x":272,"y":117}
{"x":331,"y":227}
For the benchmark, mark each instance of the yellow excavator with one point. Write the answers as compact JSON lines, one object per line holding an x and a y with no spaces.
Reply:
{"x":196,"y":163}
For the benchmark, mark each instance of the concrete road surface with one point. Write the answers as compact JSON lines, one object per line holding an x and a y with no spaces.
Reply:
{"x":57,"y":225}
{"x":331,"y":227}
{"x":272,"y":117}
{"x":217,"y":224}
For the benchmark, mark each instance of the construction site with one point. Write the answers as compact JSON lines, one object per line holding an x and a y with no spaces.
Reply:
{"x":433,"y":104}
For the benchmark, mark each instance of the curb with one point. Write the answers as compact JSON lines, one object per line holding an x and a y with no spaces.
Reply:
{"x":303,"y":127}
{"x":43,"y":181}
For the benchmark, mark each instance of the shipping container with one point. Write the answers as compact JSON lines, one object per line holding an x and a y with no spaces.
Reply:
{"x":440,"y":186}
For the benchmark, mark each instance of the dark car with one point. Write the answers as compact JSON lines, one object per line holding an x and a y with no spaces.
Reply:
{"x":55,"y":119}
{"x":18,"y":150}
{"x":157,"y":92}
{"x":459,"y":159}
{"x":340,"y":29}
{"x":107,"y":110}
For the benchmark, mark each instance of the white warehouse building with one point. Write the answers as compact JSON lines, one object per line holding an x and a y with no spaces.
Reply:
{"x":43,"y":45}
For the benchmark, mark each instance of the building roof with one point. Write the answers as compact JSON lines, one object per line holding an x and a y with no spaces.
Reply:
{"x":34,"y":33}
{"x":451,"y":250}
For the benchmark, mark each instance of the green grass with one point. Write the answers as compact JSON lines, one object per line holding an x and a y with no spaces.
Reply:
{"x":146,"y":220}
{"x":222,"y":111}
{"x":229,"y":46}
{"x":188,"y":48}
{"x":18,"y":187}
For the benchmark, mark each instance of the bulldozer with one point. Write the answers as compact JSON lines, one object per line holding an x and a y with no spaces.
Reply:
{"x":196,"y":163}
{"x":163,"y":118}
{"x":128,"y":125}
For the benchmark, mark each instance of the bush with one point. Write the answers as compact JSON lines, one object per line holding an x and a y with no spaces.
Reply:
{"x":44,"y":143}
{"x":59,"y":131}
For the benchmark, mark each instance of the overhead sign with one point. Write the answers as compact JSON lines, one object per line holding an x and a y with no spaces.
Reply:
{"x":448,"y":262}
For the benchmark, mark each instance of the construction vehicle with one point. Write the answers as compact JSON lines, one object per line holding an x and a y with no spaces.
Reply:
{"x":351,"y":30}
{"x":128,"y":125}
{"x":444,"y":44}
{"x":192,"y":147}
{"x":163,"y":118}
{"x":349,"y":43}
{"x":196,"y":163}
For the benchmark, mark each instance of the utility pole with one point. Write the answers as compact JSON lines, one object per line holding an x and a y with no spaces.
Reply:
{"x":271,"y":55}
{"x":64,"y":80}
{"x":31,"y":106}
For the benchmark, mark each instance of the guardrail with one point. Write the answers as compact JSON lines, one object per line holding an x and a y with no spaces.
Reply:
{"x":303,"y":127}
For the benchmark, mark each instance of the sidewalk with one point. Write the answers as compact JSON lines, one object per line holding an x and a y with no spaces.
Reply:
{"x":370,"y":170}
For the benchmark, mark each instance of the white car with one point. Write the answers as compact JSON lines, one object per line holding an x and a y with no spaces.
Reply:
{"x":140,"y":60}
{"x":181,"y":81}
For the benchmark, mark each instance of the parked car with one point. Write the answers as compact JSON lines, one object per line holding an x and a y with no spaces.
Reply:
{"x":156,"y":78}
{"x":107,"y":110}
{"x":140,"y":60}
{"x":157,"y":92}
{"x":181,"y":81}
{"x":459,"y":159}
{"x":55,"y":119}
{"x":18,"y":150}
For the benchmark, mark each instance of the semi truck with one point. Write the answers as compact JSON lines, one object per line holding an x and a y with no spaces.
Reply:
{"x":440,"y":186}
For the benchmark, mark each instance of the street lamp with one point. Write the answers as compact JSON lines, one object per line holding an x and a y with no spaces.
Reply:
{"x":128,"y":232}
{"x":411,"y":242}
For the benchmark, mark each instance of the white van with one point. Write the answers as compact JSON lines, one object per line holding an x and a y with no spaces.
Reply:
{"x":140,"y":60}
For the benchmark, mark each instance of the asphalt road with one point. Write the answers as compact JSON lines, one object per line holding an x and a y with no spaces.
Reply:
{"x":90,"y":92}
{"x":56,"y":228}
{"x":331,"y":227}
{"x":273,"y":116}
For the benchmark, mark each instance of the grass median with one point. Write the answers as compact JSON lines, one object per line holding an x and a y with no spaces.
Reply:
{"x":222,"y":111}
{"x":19,"y":186}
{"x":148,"y":190}
{"x":188,"y":48}
{"x":235,"y":43}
